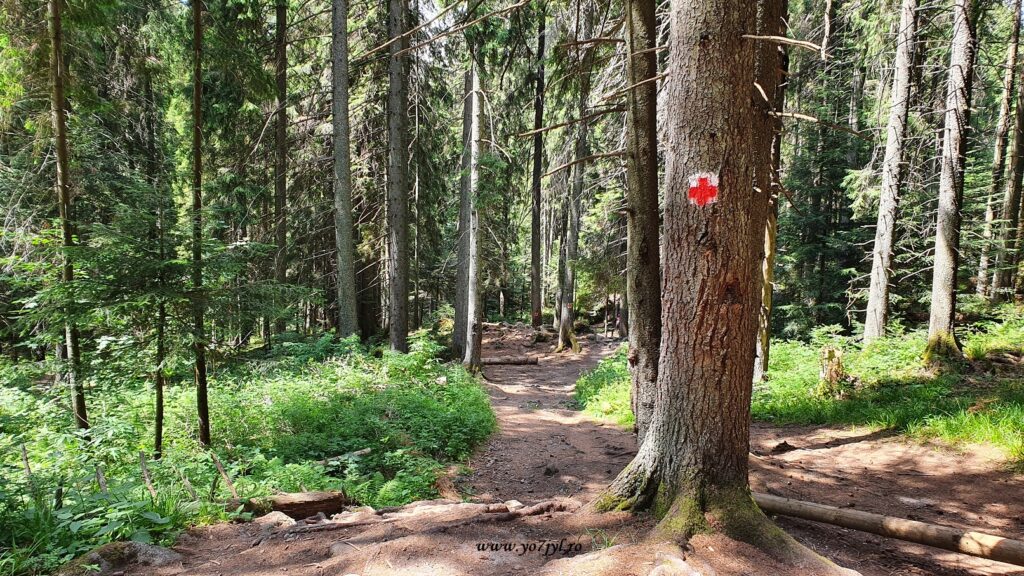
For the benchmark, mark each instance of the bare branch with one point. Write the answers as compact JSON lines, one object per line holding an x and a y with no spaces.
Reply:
{"x":615,"y":154}
{"x":570,"y":122}
{"x":622,"y":92}
{"x":788,"y":41}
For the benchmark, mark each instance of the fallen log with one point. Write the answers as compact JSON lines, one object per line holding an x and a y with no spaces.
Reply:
{"x":508,"y":360}
{"x":967,"y":542}
{"x":299,"y":505}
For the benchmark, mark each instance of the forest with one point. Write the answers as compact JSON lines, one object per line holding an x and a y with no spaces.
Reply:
{"x":694,"y":286}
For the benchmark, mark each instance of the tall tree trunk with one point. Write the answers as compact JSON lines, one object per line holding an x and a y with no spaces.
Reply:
{"x":643,"y":256}
{"x":574,"y":204}
{"x":459,"y":330}
{"x":153,"y":176}
{"x":692,"y":463}
{"x":998,"y":171}
{"x":348,"y":321}
{"x":772,"y":63}
{"x":1008,"y":239}
{"x":538,"y":158}
{"x":941,"y":339}
{"x":58,"y":114}
{"x":281,"y":150}
{"x":892,"y":176}
{"x":198,"y":298}
{"x":474,"y":302}
{"x":398,"y":192}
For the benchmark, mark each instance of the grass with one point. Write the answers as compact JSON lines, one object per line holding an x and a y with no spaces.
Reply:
{"x":276,"y":420}
{"x":980,"y":400}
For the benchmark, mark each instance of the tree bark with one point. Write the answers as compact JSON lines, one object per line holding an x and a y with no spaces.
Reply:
{"x":772,"y":63}
{"x":198,"y":298}
{"x":941,"y":338}
{"x":465,"y":211}
{"x":643,"y":256}
{"x":281,"y":150}
{"x":892,"y":176}
{"x":348,"y":320}
{"x":574,"y":204}
{"x":398,"y":193}
{"x":58,"y":114}
{"x":153,"y":175}
{"x":692,"y":464}
{"x":474,"y":302}
{"x":538,"y":158}
{"x":1007,"y":239}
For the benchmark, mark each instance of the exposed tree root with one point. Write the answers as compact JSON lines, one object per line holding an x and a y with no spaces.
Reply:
{"x":733,"y":513}
{"x":633,"y":489}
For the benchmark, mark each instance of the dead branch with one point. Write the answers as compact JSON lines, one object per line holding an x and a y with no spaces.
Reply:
{"x":615,"y":154}
{"x":571,"y":122}
{"x":787,"y":41}
{"x":451,"y":31}
{"x":622,"y":92}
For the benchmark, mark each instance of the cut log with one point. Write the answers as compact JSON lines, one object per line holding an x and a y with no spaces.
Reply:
{"x":963,"y":541}
{"x":299,"y":505}
{"x":508,"y":360}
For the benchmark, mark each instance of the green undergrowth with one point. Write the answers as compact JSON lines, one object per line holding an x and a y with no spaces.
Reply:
{"x":977,"y":400}
{"x":604,"y":391}
{"x":286,"y":421}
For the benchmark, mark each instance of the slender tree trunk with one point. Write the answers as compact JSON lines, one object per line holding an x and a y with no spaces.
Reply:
{"x":941,"y":339}
{"x":1007,"y":241}
{"x":348,"y":322}
{"x":772,"y":63}
{"x":398,"y":192}
{"x":892,"y":176}
{"x":998,"y":173}
{"x":153,"y":175}
{"x":281,"y":150}
{"x":460,"y":328}
{"x":474,"y":302}
{"x":574,"y":204}
{"x":538,"y":159}
{"x":58,"y":114}
{"x":198,"y":298}
{"x":643,"y":257}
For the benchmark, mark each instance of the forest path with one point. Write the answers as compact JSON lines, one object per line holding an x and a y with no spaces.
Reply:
{"x":546,"y":450}
{"x":545,"y":447}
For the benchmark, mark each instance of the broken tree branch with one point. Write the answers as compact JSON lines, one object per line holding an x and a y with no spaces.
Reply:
{"x":622,"y":92}
{"x":808,"y":118}
{"x":571,"y":122}
{"x":451,"y":31}
{"x":615,"y":154}
{"x":787,"y":41}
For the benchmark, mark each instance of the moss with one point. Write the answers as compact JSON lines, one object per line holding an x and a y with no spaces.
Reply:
{"x":684,"y":519}
{"x":942,"y":348}
{"x":610,"y":502}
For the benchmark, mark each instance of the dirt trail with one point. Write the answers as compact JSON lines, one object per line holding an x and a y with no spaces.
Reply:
{"x":547,"y":450}
{"x":545,"y":447}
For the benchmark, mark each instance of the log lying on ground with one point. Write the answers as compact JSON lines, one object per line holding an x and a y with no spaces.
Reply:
{"x":967,"y":542}
{"x":300,"y":505}
{"x":508,"y":360}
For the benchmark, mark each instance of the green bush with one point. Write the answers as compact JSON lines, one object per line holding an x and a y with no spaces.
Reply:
{"x":287,"y":421}
{"x":604,"y":391}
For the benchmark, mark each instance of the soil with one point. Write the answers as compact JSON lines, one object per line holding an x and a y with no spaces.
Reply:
{"x":549,"y":454}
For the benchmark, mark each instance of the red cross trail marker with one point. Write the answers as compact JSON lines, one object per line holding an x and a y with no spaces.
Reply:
{"x":703,"y":189}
